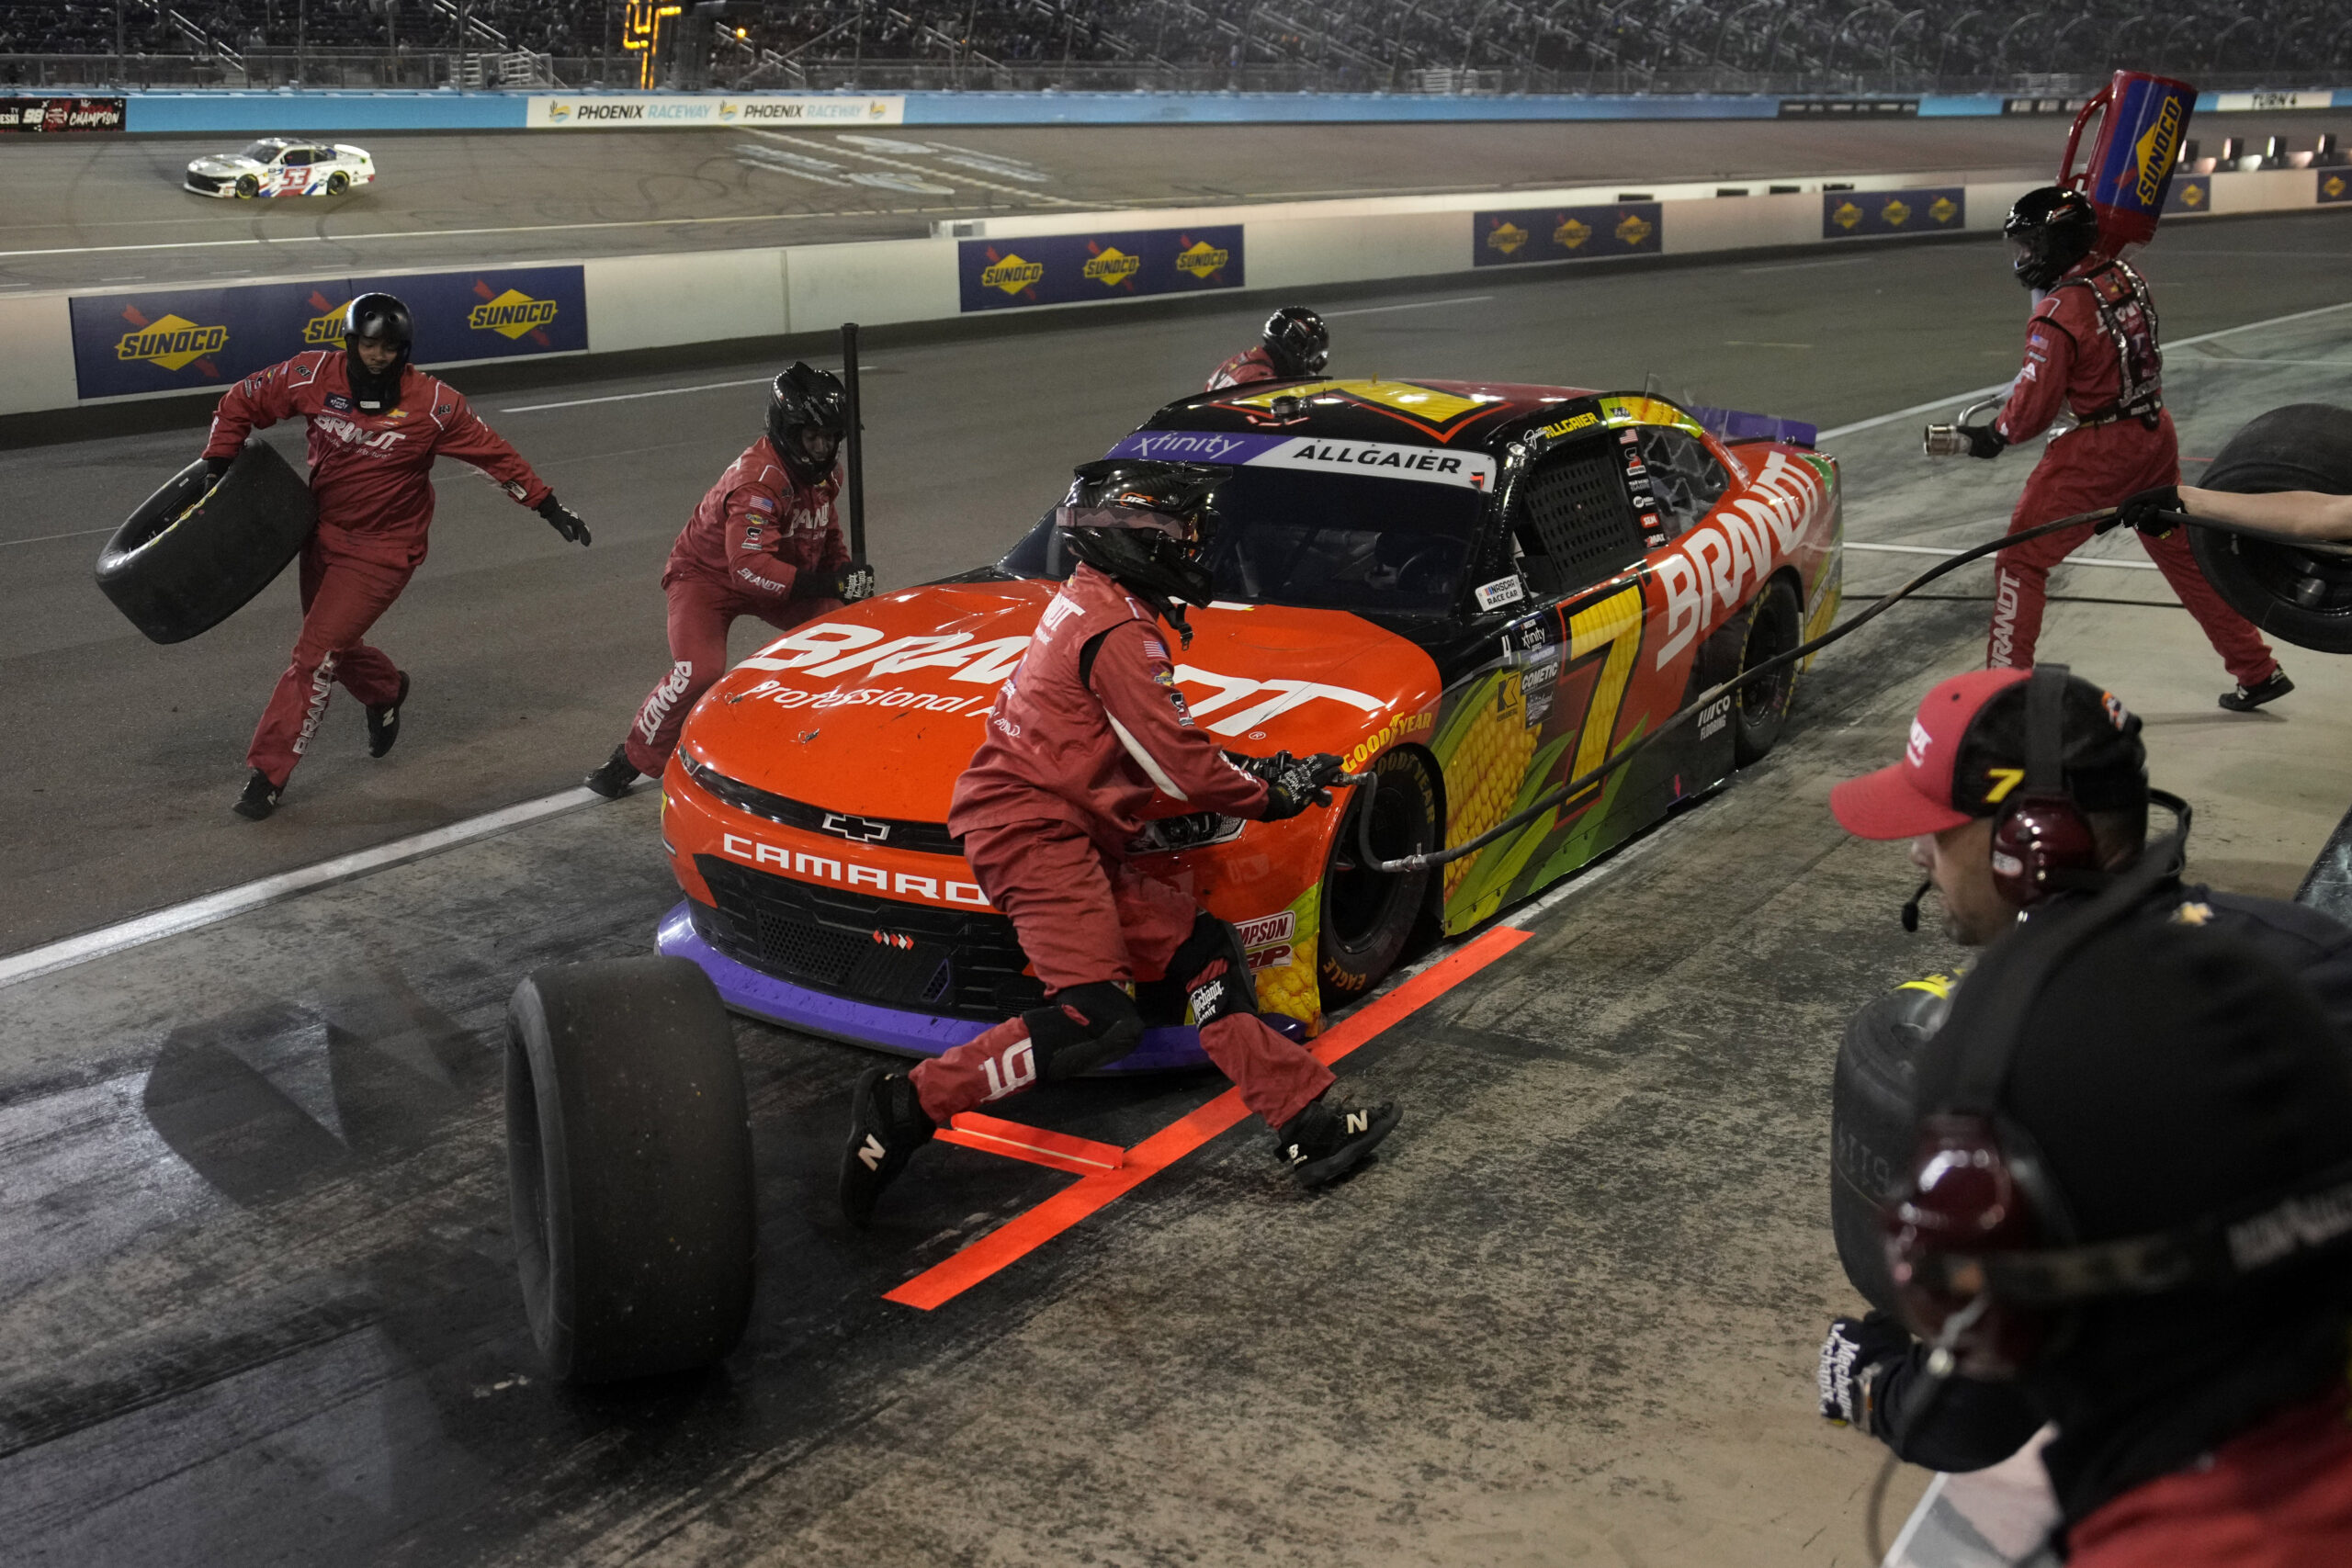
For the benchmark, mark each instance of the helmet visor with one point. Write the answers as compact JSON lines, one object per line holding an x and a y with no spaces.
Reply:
{"x":1133,"y":517}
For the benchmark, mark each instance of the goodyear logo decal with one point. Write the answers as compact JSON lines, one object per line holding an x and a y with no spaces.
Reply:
{"x":1387,"y":735}
{"x":510,"y":314}
{"x":1633,"y":228}
{"x":1013,"y":275}
{"x":173,"y":342}
{"x":1110,"y":266}
{"x":2155,"y":151}
{"x":1506,"y":238}
{"x":1201,"y":260}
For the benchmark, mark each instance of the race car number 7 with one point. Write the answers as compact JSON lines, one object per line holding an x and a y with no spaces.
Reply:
{"x":1615,"y":624}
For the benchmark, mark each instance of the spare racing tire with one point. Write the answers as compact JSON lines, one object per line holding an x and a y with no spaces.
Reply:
{"x":2300,"y":596}
{"x":629,"y":1162}
{"x":187,"y":560}
{"x":1872,"y":1124}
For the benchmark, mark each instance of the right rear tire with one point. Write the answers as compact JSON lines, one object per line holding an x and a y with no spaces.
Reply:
{"x":184,"y":562}
{"x":629,"y":1161}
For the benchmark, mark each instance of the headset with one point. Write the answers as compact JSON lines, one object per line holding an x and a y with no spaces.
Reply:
{"x":2042,"y":840}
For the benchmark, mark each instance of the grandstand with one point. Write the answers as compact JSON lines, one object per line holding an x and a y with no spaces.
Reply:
{"x":1384,"y":45}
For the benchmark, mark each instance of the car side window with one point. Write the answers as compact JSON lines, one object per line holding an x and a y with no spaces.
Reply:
{"x":1684,"y":478}
{"x":1571,"y":520}
{"x":295,"y":157}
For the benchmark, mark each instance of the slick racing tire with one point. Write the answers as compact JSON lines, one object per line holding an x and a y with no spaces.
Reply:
{"x":1871,"y":1094}
{"x":1758,"y":712}
{"x":1366,"y":916}
{"x":187,"y":560}
{"x":629,"y":1162}
{"x":248,"y":186}
{"x":2303,"y":597}
{"x":337,"y":182}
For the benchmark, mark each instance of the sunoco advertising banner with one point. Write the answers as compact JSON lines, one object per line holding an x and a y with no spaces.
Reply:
{"x":2333,"y":185}
{"x":1845,"y":213}
{"x":2188,"y":193}
{"x":169,"y":340}
{"x":1567,"y":233}
{"x":1066,"y":270}
{"x":52,"y":116}
{"x":698,"y":111}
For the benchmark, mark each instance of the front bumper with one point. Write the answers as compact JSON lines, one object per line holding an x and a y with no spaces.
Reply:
{"x":210,"y":184}
{"x":747,"y":991}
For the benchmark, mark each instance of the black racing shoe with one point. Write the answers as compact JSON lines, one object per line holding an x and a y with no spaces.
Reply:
{"x":2245,"y":699}
{"x":612,"y":780}
{"x":260,"y":797}
{"x":1326,"y":1140}
{"x":384,"y":721}
{"x":887,"y":1125}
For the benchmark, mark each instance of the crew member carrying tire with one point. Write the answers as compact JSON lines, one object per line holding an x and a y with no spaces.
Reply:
{"x":1294,"y":344}
{"x":765,"y":541}
{"x":1088,"y":730}
{"x":2092,"y":347}
{"x":376,"y":423}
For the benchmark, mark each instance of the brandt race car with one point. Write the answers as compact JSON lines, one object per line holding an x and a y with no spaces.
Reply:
{"x":1478,"y":591}
{"x":278,"y":166}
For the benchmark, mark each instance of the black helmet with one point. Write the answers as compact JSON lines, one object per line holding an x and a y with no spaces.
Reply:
{"x":805,"y":398}
{"x":1145,"y":524}
{"x":376,"y":318}
{"x":2050,"y":231}
{"x":1297,"y":340}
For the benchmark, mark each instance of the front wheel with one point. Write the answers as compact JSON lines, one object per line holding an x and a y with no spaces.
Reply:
{"x":247,"y":186}
{"x":1367,"y":914}
{"x":1775,"y":625}
{"x":337,"y":182}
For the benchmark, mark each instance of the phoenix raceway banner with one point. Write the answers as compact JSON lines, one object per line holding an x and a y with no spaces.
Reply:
{"x":1069,"y":269}
{"x":1565,"y":234}
{"x":1846,"y":213}
{"x":50,"y":116}
{"x":170,"y":340}
{"x":658,"y":111}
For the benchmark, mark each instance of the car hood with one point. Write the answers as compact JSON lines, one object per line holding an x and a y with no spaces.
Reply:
{"x":227,"y":163}
{"x":879,"y":706}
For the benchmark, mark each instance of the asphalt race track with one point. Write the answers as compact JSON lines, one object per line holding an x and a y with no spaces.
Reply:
{"x":114,"y":212}
{"x":258,"y":1288}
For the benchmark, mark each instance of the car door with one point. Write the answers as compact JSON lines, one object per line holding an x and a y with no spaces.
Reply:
{"x":290,"y":175}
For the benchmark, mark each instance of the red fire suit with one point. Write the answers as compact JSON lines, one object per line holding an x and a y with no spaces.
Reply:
{"x":1250,"y":364}
{"x":1090,"y":729}
{"x":371,"y":475}
{"x":759,"y":544}
{"x":2092,"y":347}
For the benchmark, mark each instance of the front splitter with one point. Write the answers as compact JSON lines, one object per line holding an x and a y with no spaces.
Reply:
{"x":747,"y":990}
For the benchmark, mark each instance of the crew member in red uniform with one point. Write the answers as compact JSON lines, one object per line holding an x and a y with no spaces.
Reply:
{"x":765,"y":541}
{"x":1090,"y":729}
{"x":2092,"y":348}
{"x":1294,"y":344}
{"x":377,"y":423}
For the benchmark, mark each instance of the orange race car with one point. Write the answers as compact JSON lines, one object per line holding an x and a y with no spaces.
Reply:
{"x":1479,"y":591}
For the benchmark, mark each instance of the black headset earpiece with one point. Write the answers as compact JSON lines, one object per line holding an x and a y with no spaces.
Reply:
{"x":2041,"y":841}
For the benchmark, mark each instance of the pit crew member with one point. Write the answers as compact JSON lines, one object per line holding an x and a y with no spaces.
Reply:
{"x":1968,"y":754}
{"x":376,"y":423}
{"x":2091,"y":347}
{"x":2304,"y":513}
{"x":1294,"y":344}
{"x":765,"y":541}
{"x":1088,"y":730}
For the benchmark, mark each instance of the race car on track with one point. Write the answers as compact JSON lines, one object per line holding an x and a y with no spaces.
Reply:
{"x":276,"y":165}
{"x":1478,"y":591}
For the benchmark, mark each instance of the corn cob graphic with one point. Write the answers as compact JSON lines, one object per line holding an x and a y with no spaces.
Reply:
{"x":1484,"y":753}
{"x":1291,"y":989}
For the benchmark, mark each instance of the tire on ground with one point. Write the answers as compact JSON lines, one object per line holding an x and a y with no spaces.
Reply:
{"x":1871,"y":1135}
{"x":2298,"y":596}
{"x":629,"y":1161}
{"x":1364,"y":916}
{"x":1758,"y":712}
{"x":186,"y":561}
{"x":337,"y":182}
{"x":247,"y":186}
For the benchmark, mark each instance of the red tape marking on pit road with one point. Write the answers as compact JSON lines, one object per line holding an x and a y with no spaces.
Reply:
{"x":1024,"y":1232}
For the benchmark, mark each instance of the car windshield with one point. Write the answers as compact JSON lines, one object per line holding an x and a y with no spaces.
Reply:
{"x":1323,"y":541}
{"x":262,"y":151}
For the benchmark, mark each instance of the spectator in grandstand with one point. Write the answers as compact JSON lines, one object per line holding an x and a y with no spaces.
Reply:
{"x":1294,"y":344}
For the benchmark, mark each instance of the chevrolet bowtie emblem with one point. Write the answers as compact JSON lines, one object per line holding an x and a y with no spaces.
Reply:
{"x":863,"y":829}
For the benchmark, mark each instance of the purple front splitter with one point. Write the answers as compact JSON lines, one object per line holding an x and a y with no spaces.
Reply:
{"x":746,"y":990}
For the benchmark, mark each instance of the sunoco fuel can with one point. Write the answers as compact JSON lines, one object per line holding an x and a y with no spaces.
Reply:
{"x":2141,"y":121}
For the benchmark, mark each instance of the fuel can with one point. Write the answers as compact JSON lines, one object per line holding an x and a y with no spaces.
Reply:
{"x":2142,"y":119}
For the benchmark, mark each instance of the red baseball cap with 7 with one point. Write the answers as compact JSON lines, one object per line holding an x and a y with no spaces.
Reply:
{"x":1916,"y":795}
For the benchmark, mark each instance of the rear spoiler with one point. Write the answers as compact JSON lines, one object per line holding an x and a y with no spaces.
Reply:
{"x":1731,"y":424}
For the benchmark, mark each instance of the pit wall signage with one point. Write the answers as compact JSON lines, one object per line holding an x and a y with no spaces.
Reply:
{"x":1846,"y":214}
{"x":674,"y":111}
{"x":169,"y":340}
{"x":1071,"y":269}
{"x":53,"y":116}
{"x":1567,"y":233}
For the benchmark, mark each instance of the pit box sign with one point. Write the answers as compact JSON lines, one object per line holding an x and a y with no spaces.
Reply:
{"x":2188,"y":194}
{"x":174,"y":340}
{"x":704,"y":111}
{"x":2334,"y":186}
{"x":1846,"y":214}
{"x":1567,"y":233}
{"x":1071,"y":269}
{"x":52,"y":117}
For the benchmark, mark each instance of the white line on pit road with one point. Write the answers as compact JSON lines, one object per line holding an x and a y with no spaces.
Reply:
{"x":45,"y":538}
{"x":1415,"y":305}
{"x":632,"y":396}
{"x":2071,"y":560}
{"x":217,"y":906}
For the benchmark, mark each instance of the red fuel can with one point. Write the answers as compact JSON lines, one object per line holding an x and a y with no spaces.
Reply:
{"x":2142,"y":119}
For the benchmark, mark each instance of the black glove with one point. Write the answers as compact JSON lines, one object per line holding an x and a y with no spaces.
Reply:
{"x":2147,"y":512}
{"x":1293,"y":784}
{"x":1983,"y":441}
{"x":849,"y":583}
{"x":1857,"y":1353}
{"x":213,"y":468}
{"x":564,"y":520}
